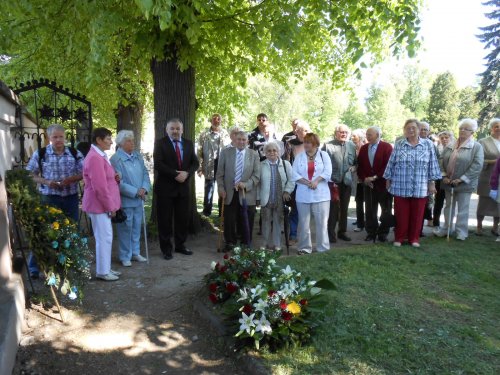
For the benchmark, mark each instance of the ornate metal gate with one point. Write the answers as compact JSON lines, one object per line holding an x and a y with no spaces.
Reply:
{"x":50,"y":103}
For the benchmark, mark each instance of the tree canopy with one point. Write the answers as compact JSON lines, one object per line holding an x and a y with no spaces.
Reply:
{"x":104,"y":48}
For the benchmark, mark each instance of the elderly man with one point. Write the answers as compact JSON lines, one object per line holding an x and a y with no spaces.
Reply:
{"x":238,"y":174}
{"x":210,"y":143}
{"x":262,"y":134}
{"x":342,"y":152}
{"x":372,"y":160}
{"x":57,"y":169}
{"x":175,"y":162}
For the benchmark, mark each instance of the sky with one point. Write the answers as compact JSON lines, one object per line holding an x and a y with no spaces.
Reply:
{"x":449,"y":29}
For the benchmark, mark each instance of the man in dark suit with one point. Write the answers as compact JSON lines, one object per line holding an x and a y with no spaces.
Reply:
{"x":238,"y":171}
{"x":175,"y":161}
{"x":372,"y":160}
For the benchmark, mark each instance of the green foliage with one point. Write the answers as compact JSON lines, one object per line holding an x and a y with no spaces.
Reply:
{"x":443,"y":111}
{"x":467,"y":105}
{"x":415,"y":97}
{"x":488,"y":95}
{"x":104,"y":48}
{"x":354,"y":116}
{"x":427,"y":311}
{"x":61,"y":253}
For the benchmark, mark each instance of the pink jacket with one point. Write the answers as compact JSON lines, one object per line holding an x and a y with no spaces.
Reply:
{"x":101,"y":192}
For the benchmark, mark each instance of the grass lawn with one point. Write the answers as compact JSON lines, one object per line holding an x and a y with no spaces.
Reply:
{"x":433,"y":310}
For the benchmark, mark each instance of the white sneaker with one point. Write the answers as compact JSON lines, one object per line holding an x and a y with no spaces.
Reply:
{"x":108,"y":277}
{"x":440,"y":232}
{"x":126,"y":263}
{"x":139,"y":258}
{"x":304,"y":251}
{"x":397,"y":244}
{"x":415,"y":244}
{"x":461,"y":237}
{"x":358,"y":229}
{"x":498,"y":239}
{"x":116,"y":273}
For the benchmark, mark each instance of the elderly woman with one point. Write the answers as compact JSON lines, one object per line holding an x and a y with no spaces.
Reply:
{"x":487,"y":206}
{"x":134,"y":186}
{"x":275,"y":186}
{"x":410,"y":175}
{"x":494,"y":182}
{"x":462,"y":164}
{"x":312,"y":170}
{"x":358,"y":137}
{"x":445,"y":138}
{"x":101,"y":200}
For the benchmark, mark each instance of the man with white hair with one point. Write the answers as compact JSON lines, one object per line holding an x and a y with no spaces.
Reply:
{"x":372,"y":160}
{"x":57,"y":169}
{"x":342,"y":153}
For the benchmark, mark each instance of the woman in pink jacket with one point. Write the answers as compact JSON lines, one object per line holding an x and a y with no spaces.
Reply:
{"x":101,"y":200}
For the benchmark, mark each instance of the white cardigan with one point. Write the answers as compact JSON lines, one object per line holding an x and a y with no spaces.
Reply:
{"x":322,"y":167}
{"x":286,"y":174}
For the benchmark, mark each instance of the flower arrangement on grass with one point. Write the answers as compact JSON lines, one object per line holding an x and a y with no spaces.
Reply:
{"x":61,"y":252}
{"x":270,"y":304}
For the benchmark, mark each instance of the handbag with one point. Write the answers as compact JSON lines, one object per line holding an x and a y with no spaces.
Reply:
{"x":334,"y":191}
{"x":120,"y":217}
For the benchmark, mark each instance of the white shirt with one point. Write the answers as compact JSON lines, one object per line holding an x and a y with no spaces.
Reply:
{"x":322,"y":167}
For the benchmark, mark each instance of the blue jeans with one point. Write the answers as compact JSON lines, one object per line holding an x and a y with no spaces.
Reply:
{"x":129,"y":233}
{"x":69,"y":206}
{"x":209,"y":197}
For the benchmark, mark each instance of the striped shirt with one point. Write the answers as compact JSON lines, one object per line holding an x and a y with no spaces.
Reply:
{"x":57,"y":167}
{"x":411,"y":168}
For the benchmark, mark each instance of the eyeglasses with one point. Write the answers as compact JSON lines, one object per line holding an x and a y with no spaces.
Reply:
{"x":262,"y":119}
{"x":342,"y":132}
{"x":465,"y":130}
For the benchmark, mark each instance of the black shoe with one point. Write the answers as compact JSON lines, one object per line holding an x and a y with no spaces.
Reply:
{"x":34,"y":275}
{"x":167,"y":256}
{"x":344,"y":237}
{"x":382,"y":237}
{"x":184,"y":251}
{"x":333,"y":239}
{"x":422,"y":234}
{"x":354,"y":223}
{"x":371,"y":237}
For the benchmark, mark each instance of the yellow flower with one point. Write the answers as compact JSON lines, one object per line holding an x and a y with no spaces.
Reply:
{"x":66,"y":222}
{"x":55,"y":225}
{"x":293,"y":307}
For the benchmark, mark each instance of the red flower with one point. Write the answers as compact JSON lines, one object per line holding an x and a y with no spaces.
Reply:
{"x":231,"y":287}
{"x":303,"y":302}
{"x":245,"y":274}
{"x":223,"y":269}
{"x":213,"y":287}
{"x":283,"y":304}
{"x":213,"y":297}
{"x":226,"y":256}
{"x":286,"y":315}
{"x":271,"y":293}
{"x":247,"y":309}
{"x":217,"y":266}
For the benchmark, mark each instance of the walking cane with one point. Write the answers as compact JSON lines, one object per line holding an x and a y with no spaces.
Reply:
{"x":145,"y":231}
{"x":449,"y":216}
{"x":221,"y":230}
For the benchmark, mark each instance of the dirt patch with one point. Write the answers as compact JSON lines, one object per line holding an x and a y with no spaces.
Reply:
{"x":142,"y":324}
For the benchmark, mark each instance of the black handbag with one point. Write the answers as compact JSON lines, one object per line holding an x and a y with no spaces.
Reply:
{"x":120,"y":216}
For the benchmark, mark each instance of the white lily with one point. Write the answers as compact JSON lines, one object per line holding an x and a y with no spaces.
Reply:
{"x":261,"y":305}
{"x":263,"y":325}
{"x":243,"y":294}
{"x":212,"y":265}
{"x":287,"y":271}
{"x":247,"y":322}
{"x":256,"y":291}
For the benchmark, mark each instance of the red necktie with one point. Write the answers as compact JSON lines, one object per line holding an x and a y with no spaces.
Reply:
{"x":178,"y":152}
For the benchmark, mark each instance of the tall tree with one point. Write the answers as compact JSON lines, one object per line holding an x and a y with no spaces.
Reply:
{"x":467,"y":105}
{"x":415,"y":97}
{"x":443,"y":110}
{"x":216,"y":44}
{"x":488,"y":95}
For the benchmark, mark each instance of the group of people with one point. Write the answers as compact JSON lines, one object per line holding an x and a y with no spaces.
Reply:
{"x":296,"y":176}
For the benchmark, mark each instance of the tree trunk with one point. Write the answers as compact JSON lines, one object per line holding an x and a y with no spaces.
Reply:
{"x":174,"y":96}
{"x":129,"y":117}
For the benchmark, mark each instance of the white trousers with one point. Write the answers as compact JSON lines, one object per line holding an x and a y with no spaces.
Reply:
{"x":103,"y":234}
{"x":461,"y":206}
{"x":271,"y":224}
{"x":320,"y":211}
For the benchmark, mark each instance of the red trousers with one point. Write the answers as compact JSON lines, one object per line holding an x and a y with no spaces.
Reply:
{"x":409,"y":214}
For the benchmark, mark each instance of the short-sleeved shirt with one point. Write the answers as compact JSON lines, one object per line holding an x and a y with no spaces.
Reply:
{"x":57,"y":167}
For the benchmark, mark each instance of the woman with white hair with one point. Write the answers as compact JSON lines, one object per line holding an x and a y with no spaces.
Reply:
{"x":487,"y":206}
{"x":276,"y":186}
{"x":134,"y":186}
{"x":358,"y":137}
{"x":461,"y":165}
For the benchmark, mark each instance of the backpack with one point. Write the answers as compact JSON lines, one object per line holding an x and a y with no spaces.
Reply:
{"x":43,"y":151}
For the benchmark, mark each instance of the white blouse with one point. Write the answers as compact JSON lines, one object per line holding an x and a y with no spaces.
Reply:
{"x":322,"y":167}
